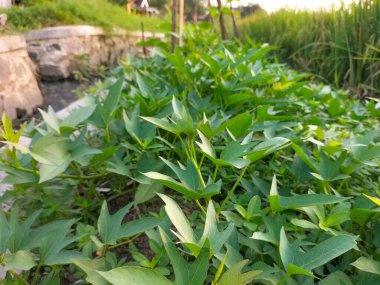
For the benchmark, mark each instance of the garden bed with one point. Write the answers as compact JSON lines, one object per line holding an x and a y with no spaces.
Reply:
{"x":211,"y":165}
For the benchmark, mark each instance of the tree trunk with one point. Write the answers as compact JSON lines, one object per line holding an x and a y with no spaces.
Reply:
{"x":211,"y":18}
{"x":223,"y":30}
{"x":195,"y":17}
{"x":181,"y":19}
{"x":236,"y":30}
{"x":174,"y":24}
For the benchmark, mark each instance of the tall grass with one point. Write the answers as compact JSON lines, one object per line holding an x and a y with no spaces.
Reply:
{"x":341,"y":45}
{"x":70,"y":12}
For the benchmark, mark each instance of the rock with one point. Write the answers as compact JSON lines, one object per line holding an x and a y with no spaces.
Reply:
{"x":3,"y":20}
{"x":19,"y":92}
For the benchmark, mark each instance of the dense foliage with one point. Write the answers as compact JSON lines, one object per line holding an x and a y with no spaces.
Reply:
{"x":42,"y":14}
{"x":340,"y":45}
{"x":262,"y":178}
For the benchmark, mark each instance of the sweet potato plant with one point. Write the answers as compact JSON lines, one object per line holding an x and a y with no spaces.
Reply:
{"x":211,"y":165}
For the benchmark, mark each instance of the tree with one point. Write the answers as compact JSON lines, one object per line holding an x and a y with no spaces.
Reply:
{"x":250,"y":9}
{"x":221,"y":21}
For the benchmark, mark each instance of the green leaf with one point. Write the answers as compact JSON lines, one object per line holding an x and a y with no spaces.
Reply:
{"x":20,"y":233}
{"x":135,"y":227}
{"x":267,"y":147}
{"x":142,"y":132}
{"x":145,"y":192}
{"x":288,"y":251}
{"x":109,"y":225}
{"x":51,"y":150}
{"x":329,"y":169}
{"x":163,"y":124}
{"x":301,"y":201}
{"x":239,"y":125}
{"x":78,"y":116}
{"x":179,"y":220}
{"x":280,"y":203}
{"x":317,"y":256}
{"x":254,"y":207}
{"x":326,"y":251}
{"x":134,"y":275}
{"x":188,"y":176}
{"x":373,"y":199}
{"x":174,"y":185}
{"x":339,"y":214}
{"x":273,"y":226}
{"x":185,"y":273}
{"x":336,"y":278}
{"x":116,"y":165}
{"x":111,"y":100}
{"x":235,"y":276}
{"x":232,"y":153}
{"x":48,"y":171}
{"x":211,"y":233}
{"x":51,"y":119}
{"x":205,"y":145}
{"x":21,"y":260}
{"x":301,"y":153}
{"x":367,"y":264}
{"x":146,"y":92}
{"x":189,"y":184}
{"x":296,"y":270}
{"x":303,"y":224}
{"x":52,"y":247}
{"x":92,"y":268}
{"x":4,"y":232}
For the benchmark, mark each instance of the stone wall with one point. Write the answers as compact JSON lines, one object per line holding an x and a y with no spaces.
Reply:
{"x":56,"y":53}
{"x":59,"y":51}
{"x":5,"y":3}
{"x":19,"y":91}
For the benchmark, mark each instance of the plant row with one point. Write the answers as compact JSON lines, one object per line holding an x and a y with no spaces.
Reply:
{"x":211,"y":165}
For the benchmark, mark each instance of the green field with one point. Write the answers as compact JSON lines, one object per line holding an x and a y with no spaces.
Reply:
{"x":341,"y":46}
{"x":73,"y":12}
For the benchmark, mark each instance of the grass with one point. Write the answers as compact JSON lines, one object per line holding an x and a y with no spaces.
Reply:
{"x":340,"y":45}
{"x":72,"y":12}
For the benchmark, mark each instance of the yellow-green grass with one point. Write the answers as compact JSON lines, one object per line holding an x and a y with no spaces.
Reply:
{"x":341,"y":45}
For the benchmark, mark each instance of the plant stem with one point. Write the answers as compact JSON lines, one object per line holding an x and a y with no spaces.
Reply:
{"x":19,"y":277}
{"x":215,"y":173}
{"x":125,"y":242}
{"x":108,"y":137}
{"x":184,"y":146}
{"x":231,"y":192}
{"x":199,"y":174}
{"x":283,"y":279}
{"x":201,"y":207}
{"x":35,"y":278}
{"x":105,"y":249}
{"x":36,"y":172}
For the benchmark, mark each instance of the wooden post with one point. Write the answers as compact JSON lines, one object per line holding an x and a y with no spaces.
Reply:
{"x":223,"y":30}
{"x":174,"y":24}
{"x":181,"y":19}
{"x":143,"y":39}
